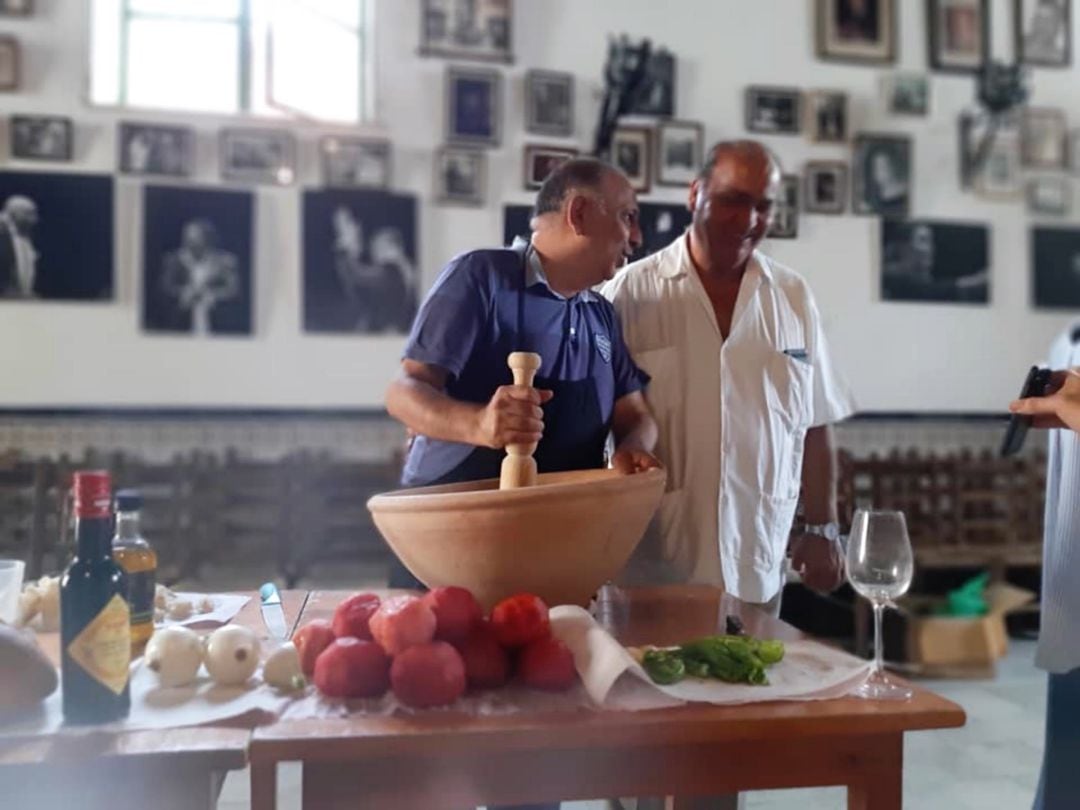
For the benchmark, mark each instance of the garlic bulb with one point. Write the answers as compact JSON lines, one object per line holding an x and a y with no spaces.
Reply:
{"x":174,"y":654}
{"x":282,"y":669}
{"x":232,"y":654}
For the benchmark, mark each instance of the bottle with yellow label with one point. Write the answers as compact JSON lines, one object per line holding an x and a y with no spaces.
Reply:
{"x":139,"y":562}
{"x":95,"y":617}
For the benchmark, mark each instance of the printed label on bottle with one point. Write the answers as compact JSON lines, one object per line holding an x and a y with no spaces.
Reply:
{"x":141,"y":596}
{"x":103,"y":648}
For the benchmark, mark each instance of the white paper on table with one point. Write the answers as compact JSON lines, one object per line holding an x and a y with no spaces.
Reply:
{"x":809,"y":670}
{"x":226,"y":606}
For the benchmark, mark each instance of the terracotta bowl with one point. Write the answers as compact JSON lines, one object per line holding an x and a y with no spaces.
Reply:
{"x":561,"y":539}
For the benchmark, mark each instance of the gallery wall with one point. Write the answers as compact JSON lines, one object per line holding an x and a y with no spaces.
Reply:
{"x":898,"y":356}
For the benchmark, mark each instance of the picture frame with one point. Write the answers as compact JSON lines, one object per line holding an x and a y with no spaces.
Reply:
{"x":1055,"y":255}
{"x":773,"y":110}
{"x":680,"y":150}
{"x":155,"y":149}
{"x":1043,"y":32}
{"x":461,"y":176}
{"x":1049,"y":196}
{"x":631,"y":153}
{"x":1043,"y":131}
{"x":785,"y":214}
{"x":1074,"y":151}
{"x":549,"y":103}
{"x":906,"y":94}
{"x":881,"y":174}
{"x":42,"y":138}
{"x":349,"y":162}
{"x":258,"y":156}
{"x":827,"y":116}
{"x":1001,"y":175}
{"x":934,"y":261}
{"x":10,"y":63}
{"x":845,"y":34}
{"x":655,"y":96}
{"x":473,"y":106}
{"x":16,"y":8}
{"x":825,"y":187}
{"x":467,"y":29}
{"x":540,"y":160}
{"x":958,"y":35}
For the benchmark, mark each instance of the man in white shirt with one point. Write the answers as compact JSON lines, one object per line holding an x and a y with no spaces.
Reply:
{"x":743,"y":390}
{"x":18,"y":258}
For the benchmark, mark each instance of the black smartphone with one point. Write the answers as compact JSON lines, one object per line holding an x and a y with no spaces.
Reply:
{"x":1034,"y":386}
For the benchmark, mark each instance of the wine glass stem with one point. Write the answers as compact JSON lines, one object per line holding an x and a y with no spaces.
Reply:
{"x":879,"y":658}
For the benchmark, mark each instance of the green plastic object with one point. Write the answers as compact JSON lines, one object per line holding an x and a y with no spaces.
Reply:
{"x":967,"y":600}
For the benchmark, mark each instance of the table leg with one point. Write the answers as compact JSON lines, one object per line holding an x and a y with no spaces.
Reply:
{"x":880,"y":784}
{"x":263,"y":785}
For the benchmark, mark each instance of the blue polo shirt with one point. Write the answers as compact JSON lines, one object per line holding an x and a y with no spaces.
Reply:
{"x":469,"y":323}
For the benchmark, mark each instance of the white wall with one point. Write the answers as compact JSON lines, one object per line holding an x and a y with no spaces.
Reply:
{"x":897,"y":356}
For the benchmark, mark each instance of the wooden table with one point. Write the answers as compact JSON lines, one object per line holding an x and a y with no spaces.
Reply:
{"x":448,"y":760}
{"x":162,"y":769}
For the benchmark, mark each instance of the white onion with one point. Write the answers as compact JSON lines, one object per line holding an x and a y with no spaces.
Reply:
{"x":174,"y":655}
{"x":232,"y":654}
{"x":282,"y":669}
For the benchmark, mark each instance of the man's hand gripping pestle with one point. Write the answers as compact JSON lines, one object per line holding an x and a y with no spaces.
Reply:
{"x":519,"y":466}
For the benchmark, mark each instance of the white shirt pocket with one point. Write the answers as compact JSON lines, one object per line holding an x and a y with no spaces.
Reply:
{"x":789,"y":395}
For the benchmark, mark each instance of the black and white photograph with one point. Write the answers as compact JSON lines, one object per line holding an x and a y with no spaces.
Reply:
{"x":827,"y":116}
{"x":773,"y":110}
{"x":549,"y":103}
{"x":631,"y":152}
{"x":1000,"y":177}
{"x":1055,"y":262}
{"x":1074,"y":150}
{"x":857,"y":30}
{"x":1049,"y":196}
{"x":467,"y":29}
{"x":516,"y":219}
{"x":16,"y":8}
{"x":152,"y":149}
{"x":258,"y":156}
{"x":473,"y":106}
{"x":906,"y":94}
{"x":42,"y":137}
{"x":661,"y":224}
{"x":1043,"y":133}
{"x":1043,"y":32}
{"x":355,"y":162}
{"x":935,"y":261}
{"x":360,"y":262}
{"x":679,"y":152}
{"x":656,"y":93}
{"x":540,"y":161}
{"x":56,"y":237}
{"x":826,"y":187}
{"x":197,"y":261}
{"x":461,"y":176}
{"x":881,"y":175}
{"x":785,"y":213}
{"x":958,"y":39}
{"x":9,"y":63}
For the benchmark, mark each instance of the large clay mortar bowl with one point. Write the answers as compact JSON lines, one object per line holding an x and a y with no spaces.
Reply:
{"x":560,"y":539}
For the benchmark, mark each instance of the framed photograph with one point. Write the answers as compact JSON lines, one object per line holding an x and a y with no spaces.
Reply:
{"x":958,"y":34}
{"x":881,"y":175}
{"x":1043,"y":132}
{"x":826,"y":116}
{"x":16,"y":8}
{"x":857,"y":30}
{"x":42,"y":137}
{"x":785,"y":214}
{"x":549,"y":103}
{"x":1049,"y":196}
{"x":355,"y":162}
{"x":631,"y":152}
{"x":258,"y":156}
{"x":473,"y":106}
{"x":773,"y":110}
{"x":467,"y":29}
{"x":826,"y":184}
{"x":540,"y":161}
{"x":906,"y":94}
{"x":656,"y":93}
{"x":1055,"y":255}
{"x":56,"y":237}
{"x":1043,"y":31}
{"x":1000,"y":177}
{"x":679,"y":152}
{"x":197,"y":260}
{"x":460,"y":176}
{"x":360,"y":268}
{"x":516,"y":223}
{"x":9,"y":63}
{"x":935,"y":261}
{"x":661,"y":224}
{"x":152,"y":149}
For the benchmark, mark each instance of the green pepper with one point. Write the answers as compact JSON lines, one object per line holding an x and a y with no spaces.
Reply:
{"x":664,"y":666}
{"x":770,"y":652}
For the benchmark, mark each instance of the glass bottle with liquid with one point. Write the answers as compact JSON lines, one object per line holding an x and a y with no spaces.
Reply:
{"x":139,"y":561}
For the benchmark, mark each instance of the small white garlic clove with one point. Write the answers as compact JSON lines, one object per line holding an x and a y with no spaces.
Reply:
{"x":282,"y":669}
{"x":232,"y":655}
{"x":174,"y":655}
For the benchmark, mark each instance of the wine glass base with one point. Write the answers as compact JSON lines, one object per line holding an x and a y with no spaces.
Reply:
{"x":880,"y":688}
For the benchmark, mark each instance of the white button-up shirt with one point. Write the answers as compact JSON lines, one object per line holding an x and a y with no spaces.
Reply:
{"x":732,"y":413}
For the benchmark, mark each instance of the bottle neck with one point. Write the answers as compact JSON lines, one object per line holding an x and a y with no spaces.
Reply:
{"x":93,"y":537}
{"x":127,"y":526}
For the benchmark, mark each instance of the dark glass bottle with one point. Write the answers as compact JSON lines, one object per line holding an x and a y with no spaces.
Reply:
{"x":95,"y":617}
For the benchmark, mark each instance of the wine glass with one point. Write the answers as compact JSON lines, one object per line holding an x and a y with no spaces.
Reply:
{"x":880,"y":566}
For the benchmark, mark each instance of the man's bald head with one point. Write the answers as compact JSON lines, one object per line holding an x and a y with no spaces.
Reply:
{"x":750,"y":153}
{"x":575,"y":175}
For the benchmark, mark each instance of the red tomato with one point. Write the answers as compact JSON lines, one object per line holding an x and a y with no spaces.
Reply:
{"x":520,"y":619}
{"x":547,"y":664}
{"x":352,"y":616}
{"x":428,"y":675}
{"x":456,"y":612}
{"x":487,"y":666}
{"x":401,"y":622}
{"x":310,"y":641}
{"x":352,"y":668}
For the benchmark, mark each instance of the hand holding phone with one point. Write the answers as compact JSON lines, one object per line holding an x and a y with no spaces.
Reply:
{"x":1035,"y":385}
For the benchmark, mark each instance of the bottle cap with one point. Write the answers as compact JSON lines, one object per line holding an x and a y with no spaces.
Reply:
{"x":93,"y":490}
{"x":128,"y":500}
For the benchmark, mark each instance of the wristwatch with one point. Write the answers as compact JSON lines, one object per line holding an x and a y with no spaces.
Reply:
{"x":830,"y":531}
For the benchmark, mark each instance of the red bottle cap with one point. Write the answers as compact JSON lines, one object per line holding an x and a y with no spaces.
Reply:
{"x":93,"y":496}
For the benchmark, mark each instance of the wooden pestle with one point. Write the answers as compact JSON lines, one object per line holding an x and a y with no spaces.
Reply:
{"x":519,"y":466}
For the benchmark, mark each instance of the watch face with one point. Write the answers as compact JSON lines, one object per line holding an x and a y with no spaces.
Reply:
{"x":832,"y":531}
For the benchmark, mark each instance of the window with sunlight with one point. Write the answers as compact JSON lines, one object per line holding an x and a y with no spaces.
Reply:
{"x":301,"y":58}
